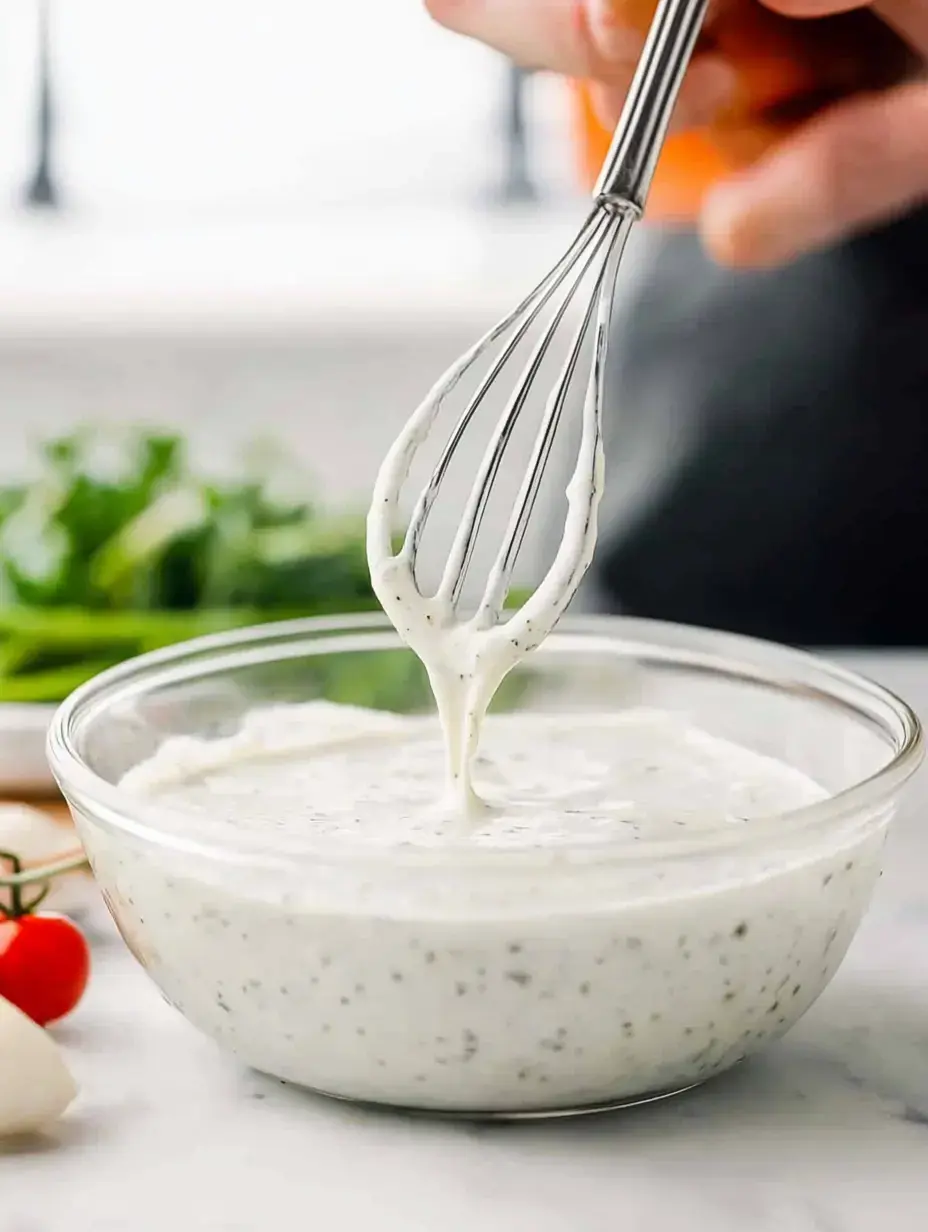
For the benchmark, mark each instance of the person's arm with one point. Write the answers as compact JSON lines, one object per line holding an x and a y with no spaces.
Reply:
{"x":858,"y":163}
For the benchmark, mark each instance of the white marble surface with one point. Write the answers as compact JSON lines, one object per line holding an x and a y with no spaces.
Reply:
{"x":827,"y":1132}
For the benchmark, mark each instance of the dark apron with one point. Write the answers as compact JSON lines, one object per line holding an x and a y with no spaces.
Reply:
{"x":767,"y":445}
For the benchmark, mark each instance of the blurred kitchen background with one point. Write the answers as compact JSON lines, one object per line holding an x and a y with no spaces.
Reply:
{"x":249,"y":216}
{"x":284,"y":221}
{"x":238,"y":222}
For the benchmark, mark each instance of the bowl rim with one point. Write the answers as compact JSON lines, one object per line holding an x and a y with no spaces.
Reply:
{"x":719,"y":653}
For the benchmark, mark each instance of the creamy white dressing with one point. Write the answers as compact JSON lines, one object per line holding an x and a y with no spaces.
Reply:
{"x":298,"y":773}
{"x":391,"y":957}
{"x":467,"y":658}
{"x":522,"y":961}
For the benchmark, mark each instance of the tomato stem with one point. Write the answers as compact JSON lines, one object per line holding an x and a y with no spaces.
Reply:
{"x":16,"y":893}
{"x":29,"y":908}
{"x":46,"y":872}
{"x":18,"y":906}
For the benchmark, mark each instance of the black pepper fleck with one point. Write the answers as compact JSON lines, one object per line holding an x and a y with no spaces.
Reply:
{"x":522,"y":978}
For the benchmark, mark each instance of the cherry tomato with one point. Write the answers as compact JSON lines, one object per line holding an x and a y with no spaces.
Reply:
{"x":44,"y":964}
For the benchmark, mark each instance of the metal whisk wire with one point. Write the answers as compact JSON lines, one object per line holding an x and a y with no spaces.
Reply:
{"x":593,"y":257}
{"x":567,"y":276}
{"x":598,"y":310}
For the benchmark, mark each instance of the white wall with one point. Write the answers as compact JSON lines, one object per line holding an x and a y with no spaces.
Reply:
{"x":238,"y":106}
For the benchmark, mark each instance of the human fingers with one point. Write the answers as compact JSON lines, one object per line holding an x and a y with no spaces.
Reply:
{"x":564,"y":36}
{"x":597,"y":40}
{"x":861,"y":162}
{"x":909,"y":18}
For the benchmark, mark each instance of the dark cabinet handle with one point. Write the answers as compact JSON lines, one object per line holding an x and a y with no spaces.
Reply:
{"x":41,"y":191}
{"x":517,"y":185}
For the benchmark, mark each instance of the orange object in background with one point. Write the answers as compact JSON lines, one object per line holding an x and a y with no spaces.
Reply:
{"x":787,"y":70}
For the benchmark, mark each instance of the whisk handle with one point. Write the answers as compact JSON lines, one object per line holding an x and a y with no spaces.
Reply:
{"x":629,"y":167}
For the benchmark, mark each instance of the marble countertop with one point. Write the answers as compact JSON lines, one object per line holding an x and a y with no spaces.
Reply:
{"x":827,"y":1132}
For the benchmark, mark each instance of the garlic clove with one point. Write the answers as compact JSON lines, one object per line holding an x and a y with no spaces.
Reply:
{"x":36,"y":1086}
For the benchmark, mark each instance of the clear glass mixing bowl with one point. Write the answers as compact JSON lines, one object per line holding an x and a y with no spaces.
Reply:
{"x":506,"y":982}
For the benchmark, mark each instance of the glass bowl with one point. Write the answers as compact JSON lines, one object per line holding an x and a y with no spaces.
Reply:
{"x":492,"y":982}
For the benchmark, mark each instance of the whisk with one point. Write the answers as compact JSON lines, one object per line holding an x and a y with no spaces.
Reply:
{"x":593,"y":258}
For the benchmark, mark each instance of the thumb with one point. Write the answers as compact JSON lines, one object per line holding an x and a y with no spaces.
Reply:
{"x":564,"y":36}
{"x":596,"y":40}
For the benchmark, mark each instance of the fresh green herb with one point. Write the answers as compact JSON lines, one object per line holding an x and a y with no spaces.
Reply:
{"x":118,"y":546}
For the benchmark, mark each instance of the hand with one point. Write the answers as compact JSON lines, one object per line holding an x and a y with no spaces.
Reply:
{"x":585,"y":39}
{"x":857,"y":163}
{"x":860,"y":162}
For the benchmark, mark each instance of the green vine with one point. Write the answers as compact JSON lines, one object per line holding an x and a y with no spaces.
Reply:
{"x":19,"y":878}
